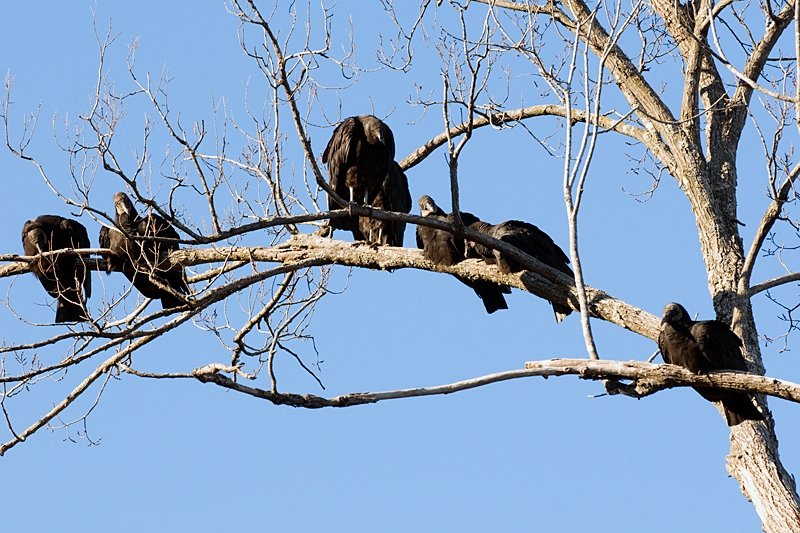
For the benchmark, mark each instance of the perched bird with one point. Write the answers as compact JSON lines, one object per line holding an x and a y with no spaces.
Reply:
{"x":703,"y":347}
{"x":393,"y":195}
{"x":144,"y":262}
{"x":443,"y":248}
{"x":529,"y":239}
{"x":358,"y":156}
{"x":62,"y":275}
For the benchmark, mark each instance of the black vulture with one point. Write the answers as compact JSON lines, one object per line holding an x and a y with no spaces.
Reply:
{"x":144,"y":262}
{"x":529,"y":239}
{"x":392,"y":196}
{"x":62,"y":275}
{"x":358,"y":157}
{"x":443,"y":248}
{"x":703,"y":347}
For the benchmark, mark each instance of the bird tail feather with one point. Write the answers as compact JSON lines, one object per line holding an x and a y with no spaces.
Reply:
{"x":561,"y":311}
{"x":67,"y":311}
{"x":739,"y":408}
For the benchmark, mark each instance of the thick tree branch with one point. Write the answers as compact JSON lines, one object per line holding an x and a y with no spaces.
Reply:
{"x":774,"y":282}
{"x":310,"y":250}
{"x":648,"y":379}
{"x":507,"y":117}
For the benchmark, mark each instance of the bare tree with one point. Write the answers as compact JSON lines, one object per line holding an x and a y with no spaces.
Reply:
{"x":243,"y":191}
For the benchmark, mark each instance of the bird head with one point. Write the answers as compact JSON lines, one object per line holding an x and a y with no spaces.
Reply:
{"x":39,"y":239}
{"x":123,"y":204}
{"x":373,"y":129}
{"x":674,"y":313}
{"x":427,"y":206}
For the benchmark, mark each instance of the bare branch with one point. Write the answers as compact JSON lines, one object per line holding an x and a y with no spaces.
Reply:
{"x":517,"y":115}
{"x":648,"y":379}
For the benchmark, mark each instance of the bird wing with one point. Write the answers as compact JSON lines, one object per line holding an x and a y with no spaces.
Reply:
{"x":719,"y":345}
{"x":104,"y":239}
{"x":540,"y":244}
{"x":397,"y":189}
{"x":477,"y":249}
{"x":49,"y":220}
{"x":420,"y":239}
{"x":664,"y":348}
{"x":157,"y":226}
{"x":468,"y":218}
{"x":175,"y":274}
{"x":340,"y":149}
{"x":459,"y":244}
{"x":388,"y":139}
{"x":112,"y":239}
{"x":80,"y":239}
{"x":437,"y":245}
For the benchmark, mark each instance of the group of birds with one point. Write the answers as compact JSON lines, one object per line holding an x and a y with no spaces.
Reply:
{"x":362,"y":171}
{"x":136,"y":249}
{"x":443,"y":248}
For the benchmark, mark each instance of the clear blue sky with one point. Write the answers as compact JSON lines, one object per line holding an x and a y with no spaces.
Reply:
{"x":528,"y":455}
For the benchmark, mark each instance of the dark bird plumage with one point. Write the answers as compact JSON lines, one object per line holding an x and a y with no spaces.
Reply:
{"x":144,"y":262}
{"x":63,"y":275}
{"x":443,"y":248}
{"x":392,"y":196}
{"x":529,"y":239}
{"x":358,"y":158}
{"x":706,"y":346}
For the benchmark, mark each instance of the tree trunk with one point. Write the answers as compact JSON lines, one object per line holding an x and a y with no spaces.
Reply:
{"x":754,"y":460}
